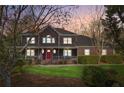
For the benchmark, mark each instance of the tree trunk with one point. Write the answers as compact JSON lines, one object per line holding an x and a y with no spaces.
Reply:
{"x":7,"y":80}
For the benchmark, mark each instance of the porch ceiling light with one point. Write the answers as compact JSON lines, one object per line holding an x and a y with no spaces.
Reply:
{"x":54,"y":51}
{"x":42,"y":51}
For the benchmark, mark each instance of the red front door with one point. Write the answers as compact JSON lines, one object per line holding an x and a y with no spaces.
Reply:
{"x":48,"y":54}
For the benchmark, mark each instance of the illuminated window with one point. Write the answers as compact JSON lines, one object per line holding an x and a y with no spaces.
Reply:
{"x":32,"y":41}
{"x":43,"y":40}
{"x":30,"y":52}
{"x":53,"y":40}
{"x":67,"y":40}
{"x":87,"y":52}
{"x":67,"y":53}
{"x":48,"y":39}
{"x":104,"y":52}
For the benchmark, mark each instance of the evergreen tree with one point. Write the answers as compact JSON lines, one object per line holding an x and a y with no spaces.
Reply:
{"x":114,"y":26}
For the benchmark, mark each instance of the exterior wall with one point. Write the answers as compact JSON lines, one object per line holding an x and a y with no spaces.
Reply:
{"x":46,"y":32}
{"x":93,"y":51}
{"x":58,"y":54}
{"x":24,"y":40}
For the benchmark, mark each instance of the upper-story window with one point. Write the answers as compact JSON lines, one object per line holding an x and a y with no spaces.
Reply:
{"x":67,"y":40}
{"x":48,"y":39}
{"x":32,"y":41}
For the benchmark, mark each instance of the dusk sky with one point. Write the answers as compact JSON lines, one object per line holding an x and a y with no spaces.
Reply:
{"x":85,"y":13}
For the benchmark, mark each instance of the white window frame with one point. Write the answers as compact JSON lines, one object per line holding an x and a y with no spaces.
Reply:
{"x":87,"y":52}
{"x":48,"y":39}
{"x":30,"y":52}
{"x":67,"y":52}
{"x":53,"y":40}
{"x":104,"y":52}
{"x":32,"y":41}
{"x":67,"y":40}
{"x":43,"y":40}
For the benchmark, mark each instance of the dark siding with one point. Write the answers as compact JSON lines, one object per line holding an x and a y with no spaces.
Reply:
{"x":74,"y":52}
{"x":24,"y":40}
{"x":50,"y":32}
{"x":93,"y":51}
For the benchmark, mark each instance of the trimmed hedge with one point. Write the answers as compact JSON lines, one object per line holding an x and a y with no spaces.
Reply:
{"x":88,"y":59}
{"x":113,"y":59}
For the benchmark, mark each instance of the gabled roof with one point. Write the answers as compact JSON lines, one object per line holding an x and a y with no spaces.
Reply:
{"x":84,"y":40}
{"x":63,"y":31}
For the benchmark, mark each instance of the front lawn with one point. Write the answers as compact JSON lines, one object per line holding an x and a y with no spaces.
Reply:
{"x":64,"y":71}
{"x":68,"y":71}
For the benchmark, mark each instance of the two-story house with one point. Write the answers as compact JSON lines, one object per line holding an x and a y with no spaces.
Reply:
{"x":51,"y":44}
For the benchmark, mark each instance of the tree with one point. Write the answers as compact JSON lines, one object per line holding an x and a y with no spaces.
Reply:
{"x":114,"y":26}
{"x":95,"y":29}
{"x":16,"y":19}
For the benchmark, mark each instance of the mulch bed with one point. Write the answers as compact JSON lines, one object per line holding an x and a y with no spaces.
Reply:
{"x":31,"y":80}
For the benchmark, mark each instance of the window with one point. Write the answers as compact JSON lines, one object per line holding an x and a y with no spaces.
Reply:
{"x":87,"y":52}
{"x":53,"y":40}
{"x":67,"y":40}
{"x":43,"y":40}
{"x":30,"y":52}
{"x":32,"y":41}
{"x":104,"y":52}
{"x":48,"y":39}
{"x":67,"y":53}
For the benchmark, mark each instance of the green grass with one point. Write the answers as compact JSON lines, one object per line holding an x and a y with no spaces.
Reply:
{"x":68,"y":71}
{"x":71,"y":71}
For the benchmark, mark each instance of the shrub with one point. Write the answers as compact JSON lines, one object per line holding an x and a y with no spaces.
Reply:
{"x":98,"y":77}
{"x":113,"y":59}
{"x":88,"y":59}
{"x":18,"y":66}
{"x":20,"y":62}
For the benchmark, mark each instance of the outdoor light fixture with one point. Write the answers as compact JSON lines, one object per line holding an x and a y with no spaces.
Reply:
{"x":42,"y":51}
{"x":54,"y":51}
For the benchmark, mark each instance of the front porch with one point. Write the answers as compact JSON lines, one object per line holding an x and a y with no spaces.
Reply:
{"x":54,"y":55}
